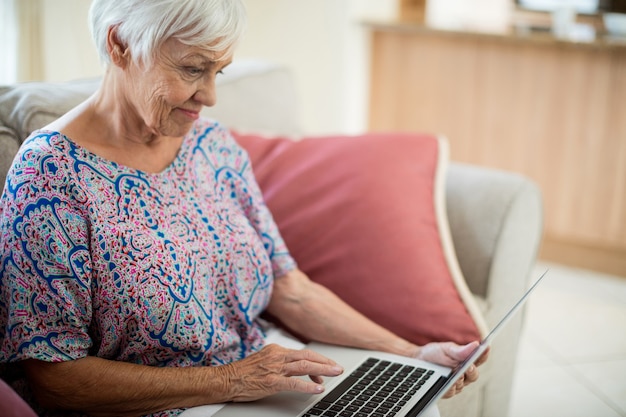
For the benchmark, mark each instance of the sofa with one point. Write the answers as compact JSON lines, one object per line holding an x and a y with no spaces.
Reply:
{"x":494,"y":217}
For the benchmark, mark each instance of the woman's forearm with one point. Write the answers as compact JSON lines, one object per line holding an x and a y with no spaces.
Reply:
{"x":316,"y":313}
{"x":104,"y":387}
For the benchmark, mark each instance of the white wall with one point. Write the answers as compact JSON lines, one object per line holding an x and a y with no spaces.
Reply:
{"x":322,"y":41}
{"x":8,"y":42}
{"x":325,"y":44}
{"x":484,"y":15}
{"x":69,"y":52}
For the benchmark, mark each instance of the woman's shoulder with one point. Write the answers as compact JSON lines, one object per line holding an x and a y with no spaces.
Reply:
{"x":38,"y":158}
{"x":42,"y":144}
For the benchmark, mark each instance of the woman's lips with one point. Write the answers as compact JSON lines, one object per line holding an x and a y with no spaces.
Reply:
{"x":192,"y":114}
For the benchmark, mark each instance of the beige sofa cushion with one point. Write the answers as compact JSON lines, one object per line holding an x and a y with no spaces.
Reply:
{"x":9,"y":144}
{"x":256,"y":96}
{"x":29,"y":106}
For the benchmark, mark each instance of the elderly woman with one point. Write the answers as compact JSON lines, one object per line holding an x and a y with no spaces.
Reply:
{"x":137,"y":253}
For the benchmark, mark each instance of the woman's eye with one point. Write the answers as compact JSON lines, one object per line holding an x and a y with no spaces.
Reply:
{"x":194,"y":70}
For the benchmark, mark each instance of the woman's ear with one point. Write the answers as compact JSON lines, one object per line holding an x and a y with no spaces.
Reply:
{"x":118,"y":51}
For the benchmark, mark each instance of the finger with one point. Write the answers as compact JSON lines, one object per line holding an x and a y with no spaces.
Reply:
{"x":309,"y":355}
{"x":471,"y":375}
{"x":300,"y":385}
{"x":460,"y":384}
{"x":483,"y":358}
{"x":456,"y":388}
{"x":459,"y":353}
{"x":304,"y":367}
{"x":450,"y":393}
{"x":438,"y":353}
{"x":316,"y":379}
{"x":308,"y":362}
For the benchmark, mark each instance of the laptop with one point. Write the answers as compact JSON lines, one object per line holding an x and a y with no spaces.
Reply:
{"x":373,"y":383}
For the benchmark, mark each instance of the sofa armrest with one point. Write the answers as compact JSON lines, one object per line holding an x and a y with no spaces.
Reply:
{"x":496,"y":222}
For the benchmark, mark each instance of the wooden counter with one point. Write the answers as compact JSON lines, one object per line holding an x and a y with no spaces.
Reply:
{"x":513,"y":35}
{"x":553,"y":110}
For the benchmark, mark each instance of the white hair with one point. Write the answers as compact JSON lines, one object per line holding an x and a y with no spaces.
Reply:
{"x":144,"y":25}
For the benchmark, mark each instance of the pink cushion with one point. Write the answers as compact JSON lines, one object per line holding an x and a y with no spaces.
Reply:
{"x":359,"y":215}
{"x":11,"y":404}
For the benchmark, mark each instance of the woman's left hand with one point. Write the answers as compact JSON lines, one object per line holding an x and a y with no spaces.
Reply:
{"x":450,"y":354}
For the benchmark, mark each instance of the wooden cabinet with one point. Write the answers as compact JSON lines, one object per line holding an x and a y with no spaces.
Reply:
{"x":552,"y":110}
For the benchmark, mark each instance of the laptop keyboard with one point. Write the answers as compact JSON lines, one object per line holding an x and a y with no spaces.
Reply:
{"x":375,"y":389}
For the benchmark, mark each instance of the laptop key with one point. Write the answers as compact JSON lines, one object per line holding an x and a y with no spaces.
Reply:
{"x":322,"y":405}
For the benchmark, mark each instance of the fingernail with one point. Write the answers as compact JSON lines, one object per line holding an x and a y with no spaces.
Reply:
{"x":319,"y":388}
{"x":337,"y":369}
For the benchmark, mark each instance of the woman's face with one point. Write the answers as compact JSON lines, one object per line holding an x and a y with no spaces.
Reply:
{"x":168,"y":96}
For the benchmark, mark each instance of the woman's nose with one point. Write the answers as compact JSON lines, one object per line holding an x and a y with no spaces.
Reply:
{"x":206,"y":93}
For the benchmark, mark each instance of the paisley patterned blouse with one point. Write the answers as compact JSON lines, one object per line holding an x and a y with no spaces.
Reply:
{"x":167,"y":269}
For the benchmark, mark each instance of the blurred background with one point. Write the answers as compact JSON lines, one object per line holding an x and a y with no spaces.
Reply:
{"x":533,"y":86}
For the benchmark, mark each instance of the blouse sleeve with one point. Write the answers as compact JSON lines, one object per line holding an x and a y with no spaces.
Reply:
{"x":250,"y":198}
{"x":45,"y":294}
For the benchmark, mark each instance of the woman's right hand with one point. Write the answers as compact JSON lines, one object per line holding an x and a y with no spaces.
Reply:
{"x":272,"y":370}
